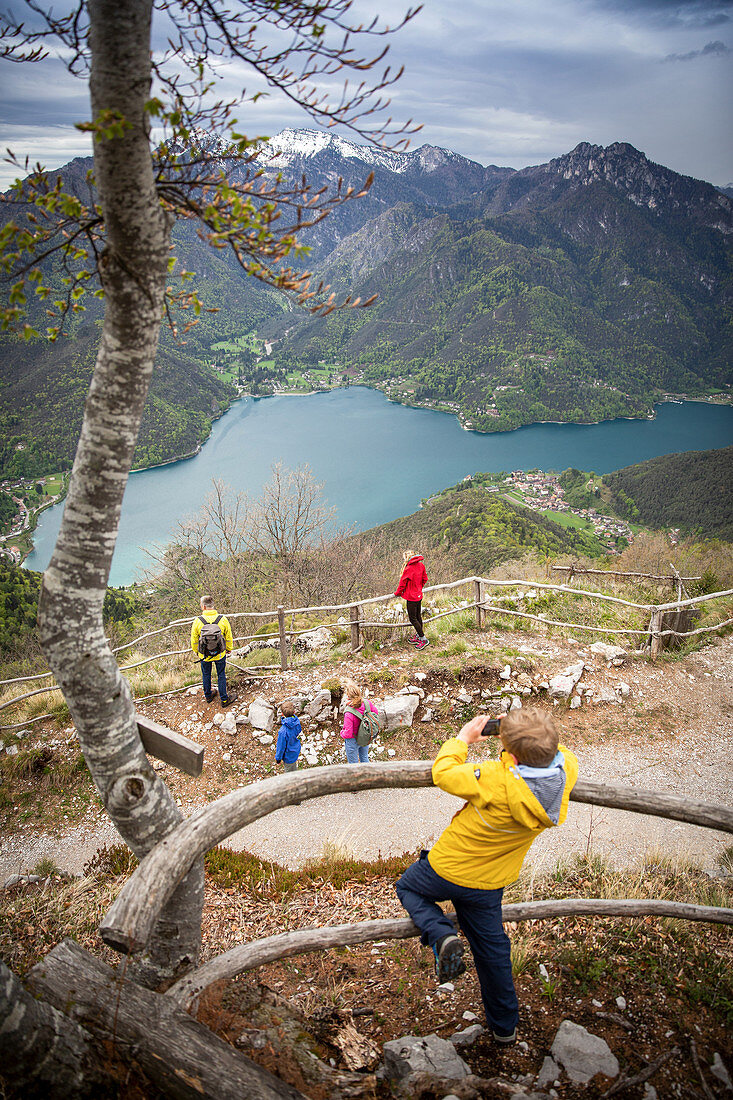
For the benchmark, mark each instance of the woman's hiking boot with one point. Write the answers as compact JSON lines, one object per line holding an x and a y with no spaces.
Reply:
{"x":449,"y":962}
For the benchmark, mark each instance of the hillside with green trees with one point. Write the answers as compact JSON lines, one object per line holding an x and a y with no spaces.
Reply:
{"x":19,"y":591}
{"x":43,"y":388}
{"x":480,"y":530}
{"x":692,"y":491}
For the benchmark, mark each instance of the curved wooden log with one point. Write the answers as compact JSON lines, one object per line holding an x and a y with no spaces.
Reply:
{"x":131,"y":918}
{"x":247,"y":956}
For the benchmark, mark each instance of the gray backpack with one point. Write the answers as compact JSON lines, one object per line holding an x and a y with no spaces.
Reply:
{"x":211,"y":639}
{"x":368,"y":725}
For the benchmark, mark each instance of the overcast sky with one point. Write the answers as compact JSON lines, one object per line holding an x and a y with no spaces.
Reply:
{"x":507,"y":82}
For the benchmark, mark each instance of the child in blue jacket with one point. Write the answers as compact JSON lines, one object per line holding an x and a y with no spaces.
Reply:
{"x":287,"y":749}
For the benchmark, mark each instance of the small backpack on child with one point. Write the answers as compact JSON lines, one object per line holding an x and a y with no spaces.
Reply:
{"x":211,"y":639}
{"x":368,"y":725}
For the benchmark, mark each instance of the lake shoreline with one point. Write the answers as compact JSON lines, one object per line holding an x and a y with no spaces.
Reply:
{"x":375,"y":460}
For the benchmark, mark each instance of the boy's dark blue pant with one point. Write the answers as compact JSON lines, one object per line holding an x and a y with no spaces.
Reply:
{"x":479,"y":915}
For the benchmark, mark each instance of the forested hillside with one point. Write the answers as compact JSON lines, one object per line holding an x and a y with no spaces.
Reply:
{"x":44,"y":387}
{"x":692,"y":491}
{"x":575,"y":291}
{"x":481,"y":530}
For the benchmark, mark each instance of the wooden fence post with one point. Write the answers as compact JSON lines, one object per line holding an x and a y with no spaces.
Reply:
{"x":283,"y":638}
{"x":478,"y":599}
{"x":655,"y":625}
{"x":355,"y":630}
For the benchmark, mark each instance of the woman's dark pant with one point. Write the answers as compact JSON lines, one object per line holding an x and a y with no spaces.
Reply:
{"x":479,"y":915}
{"x":414,"y":614}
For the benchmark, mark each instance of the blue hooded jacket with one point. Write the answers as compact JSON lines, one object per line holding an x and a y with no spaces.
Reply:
{"x":288,"y":740}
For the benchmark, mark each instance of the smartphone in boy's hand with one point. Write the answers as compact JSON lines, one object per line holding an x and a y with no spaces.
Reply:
{"x":491,"y":727}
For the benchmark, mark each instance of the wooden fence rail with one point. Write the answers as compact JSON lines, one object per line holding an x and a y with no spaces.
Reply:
{"x":656,"y":630}
{"x":248,"y":956}
{"x":129,"y":922}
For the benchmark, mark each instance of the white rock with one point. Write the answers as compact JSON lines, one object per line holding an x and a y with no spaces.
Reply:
{"x":561,"y":686}
{"x":605,"y":695}
{"x":623,"y":689}
{"x":218,"y":719}
{"x":420,"y":676}
{"x":242,"y":720}
{"x":575,"y":702}
{"x":469,"y":1016}
{"x":582,"y":1054}
{"x":621,"y":1003}
{"x":12,"y":750}
{"x":610,"y":652}
{"x":464,"y":697}
{"x":516,"y":703}
{"x":194,"y":690}
{"x":321,"y":702}
{"x":398,"y":710}
{"x":226,"y":756}
{"x":261,"y":714}
{"x":316,"y":639}
{"x":506,"y":672}
{"x":427,"y":716}
{"x":718,"y":1069}
{"x":229,"y":725}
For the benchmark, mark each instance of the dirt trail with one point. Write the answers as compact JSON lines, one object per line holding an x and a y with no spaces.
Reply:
{"x":673,"y":734}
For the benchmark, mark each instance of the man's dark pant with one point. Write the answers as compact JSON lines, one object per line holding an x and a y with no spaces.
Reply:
{"x":479,"y":915}
{"x":414,"y":614}
{"x":221,"y":677}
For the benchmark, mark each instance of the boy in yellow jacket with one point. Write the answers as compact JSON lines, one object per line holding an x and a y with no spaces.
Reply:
{"x":509,"y":802}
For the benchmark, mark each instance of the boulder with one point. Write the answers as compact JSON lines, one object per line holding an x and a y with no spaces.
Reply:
{"x":261,"y":714}
{"x":320,"y":638}
{"x":428,"y":1054}
{"x":582,"y":1054}
{"x":608,"y":652}
{"x":321,"y":702}
{"x":561,"y":686}
{"x":398,"y":710}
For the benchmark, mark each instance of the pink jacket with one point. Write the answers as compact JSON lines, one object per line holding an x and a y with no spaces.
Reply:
{"x":350,"y":727}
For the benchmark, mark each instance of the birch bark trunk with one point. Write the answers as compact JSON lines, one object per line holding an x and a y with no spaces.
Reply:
{"x":133,"y":273}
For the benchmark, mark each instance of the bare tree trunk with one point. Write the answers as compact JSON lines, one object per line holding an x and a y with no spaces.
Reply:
{"x":42,"y":1052}
{"x":70,"y":611}
{"x":182,"y":1058}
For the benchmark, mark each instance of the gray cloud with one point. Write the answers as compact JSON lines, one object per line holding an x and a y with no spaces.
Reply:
{"x":712,"y":49}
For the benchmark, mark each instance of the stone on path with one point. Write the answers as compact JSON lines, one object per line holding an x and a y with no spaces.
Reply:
{"x":428,"y":1054}
{"x":320,"y":703}
{"x":548,"y":1074}
{"x":468,"y":1036}
{"x":582,"y":1054}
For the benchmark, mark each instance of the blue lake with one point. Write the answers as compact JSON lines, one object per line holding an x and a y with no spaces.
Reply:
{"x":377,"y":460}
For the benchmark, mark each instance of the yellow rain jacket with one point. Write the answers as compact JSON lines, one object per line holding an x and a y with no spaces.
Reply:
{"x":488,"y":838}
{"x":223,"y":626}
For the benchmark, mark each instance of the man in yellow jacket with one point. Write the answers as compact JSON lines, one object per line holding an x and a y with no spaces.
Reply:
{"x":211,"y":640}
{"x":508,"y":802}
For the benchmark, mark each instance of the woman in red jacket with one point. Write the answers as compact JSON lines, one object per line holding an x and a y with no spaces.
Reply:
{"x":410,"y":589}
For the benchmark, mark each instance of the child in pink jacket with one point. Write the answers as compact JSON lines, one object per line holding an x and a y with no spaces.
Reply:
{"x":355,"y":754}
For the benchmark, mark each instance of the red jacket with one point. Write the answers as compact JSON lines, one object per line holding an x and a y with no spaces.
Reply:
{"x":412,"y":579}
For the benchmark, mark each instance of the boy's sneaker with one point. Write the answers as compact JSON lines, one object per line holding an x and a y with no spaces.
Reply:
{"x":448,"y":958}
{"x":505,"y":1040}
{"x":422,"y":643}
